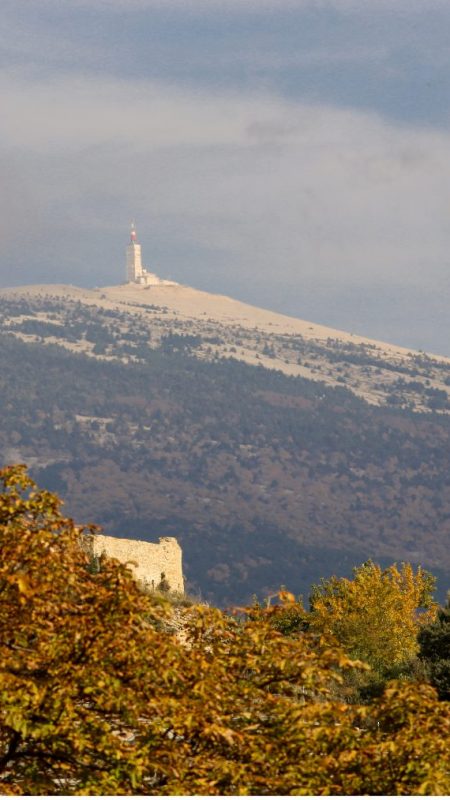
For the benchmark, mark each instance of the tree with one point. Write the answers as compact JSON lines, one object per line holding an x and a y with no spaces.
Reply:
{"x":434,"y":644}
{"x":72,"y":647}
{"x":258,"y":715}
{"x":404,"y":749}
{"x":97,"y":696}
{"x":377,"y":615}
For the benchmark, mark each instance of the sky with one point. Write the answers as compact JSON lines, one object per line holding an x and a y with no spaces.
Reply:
{"x":294,"y":154}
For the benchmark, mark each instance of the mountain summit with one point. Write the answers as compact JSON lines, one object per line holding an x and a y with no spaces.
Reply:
{"x":379,"y":372}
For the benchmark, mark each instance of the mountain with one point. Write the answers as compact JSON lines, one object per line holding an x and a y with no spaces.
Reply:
{"x":276,"y":450}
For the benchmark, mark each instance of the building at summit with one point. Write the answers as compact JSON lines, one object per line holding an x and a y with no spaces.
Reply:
{"x":135,"y":272}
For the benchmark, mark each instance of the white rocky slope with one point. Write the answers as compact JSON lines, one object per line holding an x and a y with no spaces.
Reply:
{"x":223,"y":327}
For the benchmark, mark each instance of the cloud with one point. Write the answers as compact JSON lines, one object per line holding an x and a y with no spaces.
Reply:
{"x":245,"y":193}
{"x":361,"y":6}
{"x":223,"y":5}
{"x":73,"y":112}
{"x":375,"y":56}
{"x":279,"y":150}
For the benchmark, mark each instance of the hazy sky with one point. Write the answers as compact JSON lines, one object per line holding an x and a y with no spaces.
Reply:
{"x":291,"y":153}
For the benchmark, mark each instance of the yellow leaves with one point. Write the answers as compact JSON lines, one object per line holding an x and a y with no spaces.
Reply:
{"x":286,"y":597}
{"x":345,"y":662}
{"x":218,"y":733}
{"x":376,"y":615}
{"x":17,"y":721}
{"x":105,"y":701}
{"x":22,"y":581}
{"x":406,"y":749}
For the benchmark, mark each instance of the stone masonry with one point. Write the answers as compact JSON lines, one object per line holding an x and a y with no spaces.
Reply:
{"x":151,"y":561}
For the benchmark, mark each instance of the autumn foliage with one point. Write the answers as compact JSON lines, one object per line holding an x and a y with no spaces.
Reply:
{"x":377,"y":615}
{"x":97,"y":695}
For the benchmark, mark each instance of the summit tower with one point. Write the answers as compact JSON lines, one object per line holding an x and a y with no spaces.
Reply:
{"x":135,"y":270}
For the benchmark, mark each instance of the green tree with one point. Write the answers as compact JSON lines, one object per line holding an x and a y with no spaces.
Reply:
{"x":434,"y":643}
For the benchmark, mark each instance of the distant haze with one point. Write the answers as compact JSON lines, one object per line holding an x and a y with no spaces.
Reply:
{"x":293,"y":154}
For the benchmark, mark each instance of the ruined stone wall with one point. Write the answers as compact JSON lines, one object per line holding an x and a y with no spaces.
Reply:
{"x":151,"y":560}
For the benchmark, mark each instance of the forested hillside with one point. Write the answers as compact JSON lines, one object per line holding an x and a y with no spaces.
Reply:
{"x":265,"y":479}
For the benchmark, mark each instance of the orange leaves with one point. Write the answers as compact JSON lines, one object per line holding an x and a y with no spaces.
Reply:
{"x":97,"y":697}
{"x":406,"y":752}
{"x":286,"y":597}
{"x":22,"y":581}
{"x":70,"y":650}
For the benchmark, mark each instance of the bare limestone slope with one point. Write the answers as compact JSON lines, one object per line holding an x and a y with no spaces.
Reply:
{"x":377,"y":371}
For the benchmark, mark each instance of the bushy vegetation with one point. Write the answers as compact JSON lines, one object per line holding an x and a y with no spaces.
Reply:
{"x":98,"y":697}
{"x":377,"y":615}
{"x":434,"y":643}
{"x":380,"y":616}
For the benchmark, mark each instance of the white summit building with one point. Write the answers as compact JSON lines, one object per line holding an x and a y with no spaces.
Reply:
{"x":135,"y":272}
